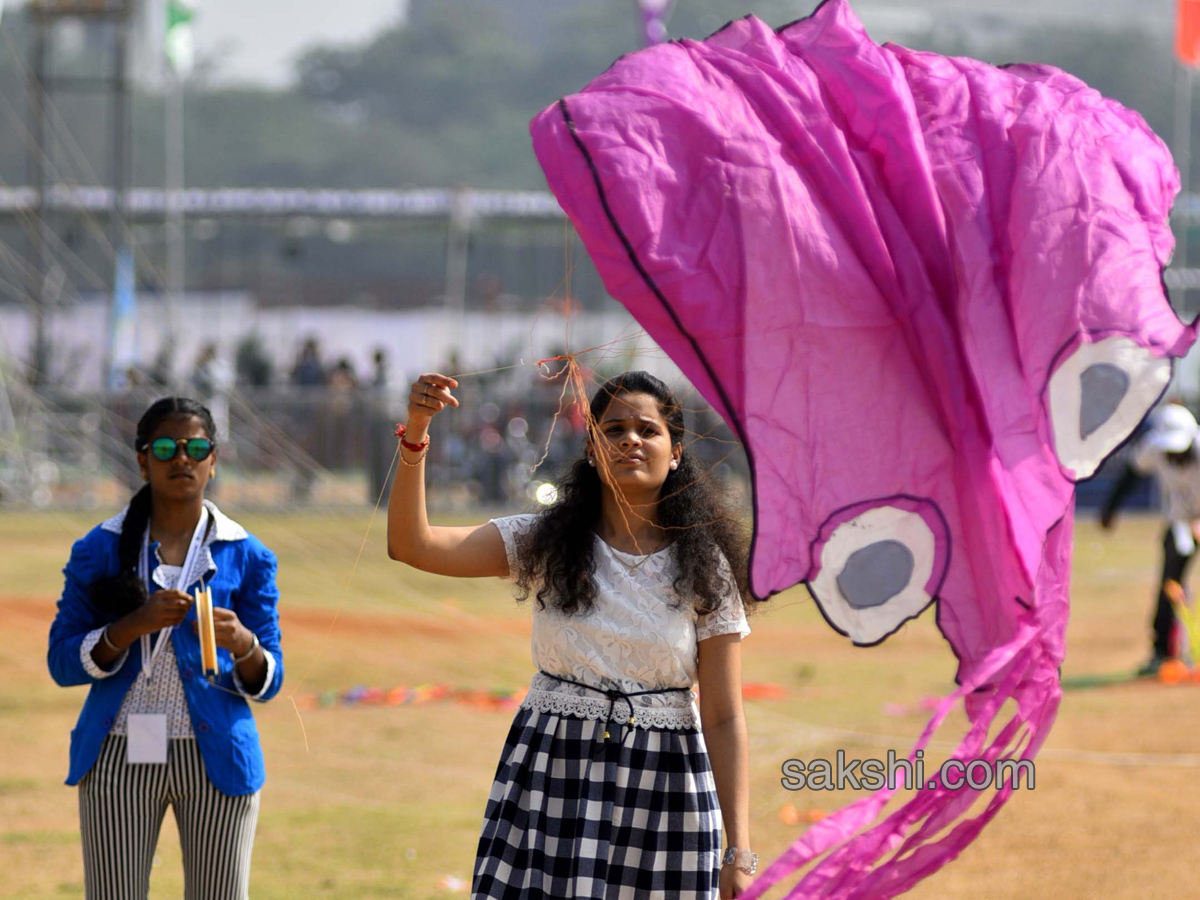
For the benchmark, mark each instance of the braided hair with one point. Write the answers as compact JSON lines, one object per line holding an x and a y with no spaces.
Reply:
{"x":124,"y":592}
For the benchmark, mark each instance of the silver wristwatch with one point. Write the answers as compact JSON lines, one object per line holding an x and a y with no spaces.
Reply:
{"x":745,"y":860}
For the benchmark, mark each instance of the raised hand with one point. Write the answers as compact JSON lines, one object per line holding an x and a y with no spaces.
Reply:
{"x":430,"y":395}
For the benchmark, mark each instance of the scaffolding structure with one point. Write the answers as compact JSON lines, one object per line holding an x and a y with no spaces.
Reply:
{"x":111,"y":21}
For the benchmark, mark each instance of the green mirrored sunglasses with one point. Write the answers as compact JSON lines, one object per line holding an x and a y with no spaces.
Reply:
{"x":166,"y":449}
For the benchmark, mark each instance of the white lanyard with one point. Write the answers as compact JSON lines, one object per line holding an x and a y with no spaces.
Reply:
{"x":148,"y":658}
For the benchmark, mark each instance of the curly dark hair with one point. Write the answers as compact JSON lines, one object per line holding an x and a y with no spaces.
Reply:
{"x":558,"y":555}
{"x":124,"y":592}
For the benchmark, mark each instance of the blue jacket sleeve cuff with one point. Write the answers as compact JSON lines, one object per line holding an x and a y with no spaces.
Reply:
{"x":90,"y":640}
{"x":237,"y":679}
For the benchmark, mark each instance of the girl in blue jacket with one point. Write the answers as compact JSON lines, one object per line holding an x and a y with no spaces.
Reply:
{"x":154,"y":731}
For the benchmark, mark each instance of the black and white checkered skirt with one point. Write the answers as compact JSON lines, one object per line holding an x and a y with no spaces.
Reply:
{"x":572,"y":815}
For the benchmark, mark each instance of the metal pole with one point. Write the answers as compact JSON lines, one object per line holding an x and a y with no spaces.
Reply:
{"x":458,"y":243}
{"x":1185,"y":373}
{"x":37,"y":178}
{"x":118,"y":237}
{"x":1183,"y":149}
{"x":176,"y":258}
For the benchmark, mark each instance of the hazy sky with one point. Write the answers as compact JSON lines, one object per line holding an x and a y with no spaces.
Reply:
{"x":257,"y":40}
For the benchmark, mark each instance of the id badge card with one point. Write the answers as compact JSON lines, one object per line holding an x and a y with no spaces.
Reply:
{"x":146,"y":738}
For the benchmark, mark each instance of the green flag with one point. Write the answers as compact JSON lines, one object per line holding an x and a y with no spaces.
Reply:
{"x":178,"y":43}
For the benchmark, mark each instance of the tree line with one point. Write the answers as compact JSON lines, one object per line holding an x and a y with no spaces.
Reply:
{"x":447,"y":98}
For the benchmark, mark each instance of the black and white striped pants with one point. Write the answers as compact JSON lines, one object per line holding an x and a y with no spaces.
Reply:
{"x":121,"y":808}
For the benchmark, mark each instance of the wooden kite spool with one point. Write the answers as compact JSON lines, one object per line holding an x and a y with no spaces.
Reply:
{"x":208,"y":637}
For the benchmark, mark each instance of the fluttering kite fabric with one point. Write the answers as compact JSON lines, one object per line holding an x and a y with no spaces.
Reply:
{"x":926,"y":293}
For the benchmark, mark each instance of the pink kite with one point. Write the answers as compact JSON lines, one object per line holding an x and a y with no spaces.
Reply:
{"x":927,"y":295}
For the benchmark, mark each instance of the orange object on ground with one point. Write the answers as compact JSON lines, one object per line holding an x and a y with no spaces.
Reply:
{"x":396,"y":696}
{"x":1173,"y":671}
{"x":763,"y":690}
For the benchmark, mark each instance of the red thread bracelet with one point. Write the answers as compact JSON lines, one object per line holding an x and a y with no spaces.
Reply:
{"x":401,"y":430}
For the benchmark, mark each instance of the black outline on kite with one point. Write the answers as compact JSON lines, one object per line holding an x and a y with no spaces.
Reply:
{"x":1100,"y":334}
{"x":876,"y":503}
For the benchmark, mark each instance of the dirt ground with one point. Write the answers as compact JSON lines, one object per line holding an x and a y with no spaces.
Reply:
{"x":370,"y":802}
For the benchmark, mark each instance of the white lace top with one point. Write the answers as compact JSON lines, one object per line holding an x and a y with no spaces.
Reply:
{"x":632,"y":640}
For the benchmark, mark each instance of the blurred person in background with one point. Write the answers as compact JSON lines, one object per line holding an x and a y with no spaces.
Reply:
{"x":203,"y":378}
{"x":254,"y":366}
{"x":492,"y":463}
{"x":341,"y":422}
{"x":380,"y":446}
{"x":1169,"y":452}
{"x":309,"y":370}
{"x":307,"y":373}
{"x":154,"y":731}
{"x":379,"y":369}
{"x":211,"y":380}
{"x":342,"y":378}
{"x":161,"y":373}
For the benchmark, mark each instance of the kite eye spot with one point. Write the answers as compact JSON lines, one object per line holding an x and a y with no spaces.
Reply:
{"x":875,"y":574}
{"x":1102,"y":387}
{"x":1097,"y":395}
{"x":879,"y":563}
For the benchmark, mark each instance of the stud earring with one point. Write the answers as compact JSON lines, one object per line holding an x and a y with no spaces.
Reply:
{"x":674,"y":464}
{"x":591,"y":462}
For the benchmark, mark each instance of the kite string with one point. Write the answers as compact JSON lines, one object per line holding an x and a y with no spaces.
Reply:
{"x":337,"y":610}
{"x":324,"y":642}
{"x":345,"y":594}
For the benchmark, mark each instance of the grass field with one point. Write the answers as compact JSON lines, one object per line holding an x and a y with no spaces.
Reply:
{"x":385,"y":801}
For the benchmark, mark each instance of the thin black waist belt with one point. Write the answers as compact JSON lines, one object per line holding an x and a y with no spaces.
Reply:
{"x":615,"y":695}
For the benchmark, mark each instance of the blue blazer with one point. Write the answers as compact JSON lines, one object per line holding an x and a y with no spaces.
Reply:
{"x":241,"y":574}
